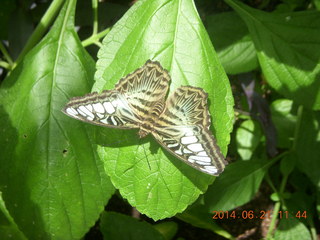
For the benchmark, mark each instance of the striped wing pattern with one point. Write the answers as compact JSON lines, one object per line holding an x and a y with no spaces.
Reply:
{"x":183,"y":129}
{"x":123,"y":107}
{"x":180,"y":124}
{"x":145,"y":87}
{"x":109,"y":108}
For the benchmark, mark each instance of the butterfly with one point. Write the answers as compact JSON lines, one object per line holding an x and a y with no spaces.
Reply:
{"x":180,"y":124}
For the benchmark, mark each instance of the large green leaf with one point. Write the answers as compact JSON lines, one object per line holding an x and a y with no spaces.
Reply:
{"x":172,"y":33}
{"x":118,"y":226}
{"x":284,"y":119}
{"x":8,"y":228}
{"x":237,"y":186}
{"x":308,"y":145}
{"x":53,"y":182}
{"x":288,"y":47}
{"x":290,"y":228}
{"x":199,"y":216}
{"x":248,"y":137}
{"x":232,"y":42}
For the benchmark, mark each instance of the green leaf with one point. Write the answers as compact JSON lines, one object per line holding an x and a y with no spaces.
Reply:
{"x":275,"y":197}
{"x":301,"y":201}
{"x":288,"y":163}
{"x":53,"y":182}
{"x":8,"y":228}
{"x":317,"y":4}
{"x":167,"y":229}
{"x":171,"y":32}
{"x":291,"y":228}
{"x":118,"y":226}
{"x":248,"y":137}
{"x":237,"y":185}
{"x":200,"y":217}
{"x":284,"y":120}
{"x":231,"y":39}
{"x":288,"y":47}
{"x":308,"y":145}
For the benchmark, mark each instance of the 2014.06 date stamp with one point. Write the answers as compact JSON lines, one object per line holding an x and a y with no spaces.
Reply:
{"x":250,"y":214}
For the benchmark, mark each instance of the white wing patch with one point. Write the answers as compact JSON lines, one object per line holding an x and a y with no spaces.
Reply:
{"x":87,"y":112}
{"x":188,"y":140}
{"x":98,"y":108}
{"x":200,"y":159}
{"x":71,"y":111}
{"x":203,"y":153}
{"x":109,"y":107}
{"x":195,"y":147}
{"x":89,"y":107}
{"x":210,"y":169}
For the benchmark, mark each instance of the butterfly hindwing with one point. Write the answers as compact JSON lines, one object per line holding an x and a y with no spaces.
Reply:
{"x":194,"y":145}
{"x":183,"y":129}
{"x":110,"y":108}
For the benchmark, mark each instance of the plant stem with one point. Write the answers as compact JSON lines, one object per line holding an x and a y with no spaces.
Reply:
{"x":280,"y":194}
{"x":6,"y":55}
{"x":284,"y":178}
{"x":277,"y":206}
{"x":273,"y":220}
{"x":94,"y":39}
{"x":5,"y":65}
{"x":42,"y":27}
{"x":95,"y":16}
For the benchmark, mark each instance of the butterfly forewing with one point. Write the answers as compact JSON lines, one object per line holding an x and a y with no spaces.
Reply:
{"x":110,"y":108}
{"x":132,"y":99}
{"x":183,"y":129}
{"x":145,"y":87}
{"x":186,"y":106}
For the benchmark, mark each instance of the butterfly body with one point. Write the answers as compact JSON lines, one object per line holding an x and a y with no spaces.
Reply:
{"x":180,"y":123}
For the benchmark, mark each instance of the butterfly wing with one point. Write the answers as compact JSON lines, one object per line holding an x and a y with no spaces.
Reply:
{"x":110,"y":108}
{"x":183,"y":129}
{"x":134,"y":98}
{"x":145,"y":87}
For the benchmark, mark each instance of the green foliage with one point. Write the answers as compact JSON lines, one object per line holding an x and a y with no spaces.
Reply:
{"x":156,"y":183}
{"x":292,"y":229}
{"x":237,"y":186}
{"x":248,"y":138}
{"x":131,"y":228}
{"x":288,"y":58}
{"x":232,"y":41}
{"x":57,"y":174}
{"x":52,"y":180}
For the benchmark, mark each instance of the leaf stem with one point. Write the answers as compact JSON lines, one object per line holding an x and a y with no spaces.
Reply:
{"x":271,"y":183}
{"x":94,"y":39}
{"x":5,"y":65}
{"x":42,"y":27}
{"x":6,"y":55}
{"x":273,"y":220}
{"x":278,"y":204}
